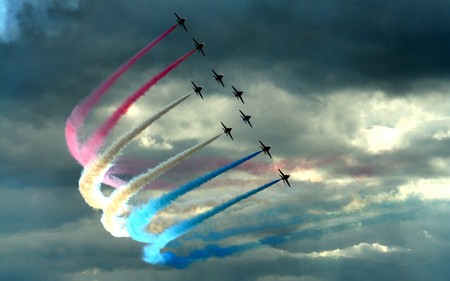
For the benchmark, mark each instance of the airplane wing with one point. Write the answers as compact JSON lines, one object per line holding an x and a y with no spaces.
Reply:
{"x":287,"y":182}
{"x":268,"y":153}
{"x":281,"y":172}
{"x":242,"y":113}
{"x":194,"y":84}
{"x":221,"y":82}
{"x":223,"y":125}
{"x":182,"y":25}
{"x":249,"y":123}
{"x":234,"y":88}
{"x":177,"y":16}
{"x":196,"y":43}
{"x":215,"y":74}
{"x":203,"y":53}
{"x":240,"y":97}
{"x":261,"y":143}
{"x":229,"y":133}
{"x":200,"y":94}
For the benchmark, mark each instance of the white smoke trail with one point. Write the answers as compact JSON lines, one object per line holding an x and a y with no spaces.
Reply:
{"x":117,"y":202}
{"x":92,"y":176}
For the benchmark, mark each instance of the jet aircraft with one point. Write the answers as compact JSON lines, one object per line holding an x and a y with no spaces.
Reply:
{"x":197,"y":89}
{"x":246,"y":118}
{"x":265,"y":149}
{"x":181,"y":21}
{"x":218,"y":77}
{"x":284,"y":177}
{"x":199,"y":46}
{"x":227,"y":130}
{"x":238,"y":94}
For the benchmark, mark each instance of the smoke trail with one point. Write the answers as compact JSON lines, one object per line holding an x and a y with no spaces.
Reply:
{"x":80,"y":112}
{"x":120,"y":196}
{"x":94,"y":172}
{"x":273,"y":220}
{"x":152,"y":252}
{"x":142,"y":215}
{"x":96,"y":141}
{"x":151,"y":255}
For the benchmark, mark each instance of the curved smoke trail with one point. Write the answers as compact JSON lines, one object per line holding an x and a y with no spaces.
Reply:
{"x":142,"y":215}
{"x":273,"y":220}
{"x":152,"y":251}
{"x":97,"y":139}
{"x":112,"y":217}
{"x":80,"y":112}
{"x":94,"y":172}
{"x":171,"y":259}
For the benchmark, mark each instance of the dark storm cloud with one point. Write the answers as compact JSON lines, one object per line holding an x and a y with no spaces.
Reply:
{"x":31,"y":208}
{"x":299,"y":45}
{"x":71,"y":247}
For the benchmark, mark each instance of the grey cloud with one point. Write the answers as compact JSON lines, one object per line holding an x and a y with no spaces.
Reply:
{"x":34,"y":17}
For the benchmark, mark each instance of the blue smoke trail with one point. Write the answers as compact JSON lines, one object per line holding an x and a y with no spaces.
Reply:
{"x":277,"y":223}
{"x":170,"y":259}
{"x":152,"y":252}
{"x":142,"y":215}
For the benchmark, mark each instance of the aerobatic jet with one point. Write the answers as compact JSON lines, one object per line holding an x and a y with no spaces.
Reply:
{"x":197,"y":89}
{"x":227,"y":130}
{"x":199,"y":46}
{"x":238,"y":94}
{"x":218,"y":77}
{"x":284,"y":177}
{"x":246,"y":118}
{"x":265,"y":149}
{"x":181,"y":21}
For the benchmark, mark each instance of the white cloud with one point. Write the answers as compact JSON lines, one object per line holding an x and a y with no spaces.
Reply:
{"x":442,"y":135}
{"x":362,"y":250}
{"x":427,"y":189}
{"x":147,"y":141}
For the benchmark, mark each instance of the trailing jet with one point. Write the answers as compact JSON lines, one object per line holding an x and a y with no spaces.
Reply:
{"x":197,"y":89}
{"x":246,"y":118}
{"x":265,"y":149}
{"x":181,"y":21}
{"x":227,"y":130}
{"x":218,"y":77}
{"x":199,"y":46}
{"x":238,"y":94}
{"x":284,"y":177}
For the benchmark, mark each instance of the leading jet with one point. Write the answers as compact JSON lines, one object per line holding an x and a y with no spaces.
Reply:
{"x":227,"y":130}
{"x":218,"y":77}
{"x":238,"y":94}
{"x":246,"y":118}
{"x":199,"y":46}
{"x":265,"y":149}
{"x":197,"y":89}
{"x":181,"y":21}
{"x":284,"y":177}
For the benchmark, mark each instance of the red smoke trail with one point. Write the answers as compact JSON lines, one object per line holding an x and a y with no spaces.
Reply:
{"x":80,"y":112}
{"x":96,"y":141}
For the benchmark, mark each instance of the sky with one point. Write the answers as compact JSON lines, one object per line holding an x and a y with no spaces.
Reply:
{"x":351,"y":95}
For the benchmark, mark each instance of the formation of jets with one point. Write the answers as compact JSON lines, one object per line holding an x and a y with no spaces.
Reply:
{"x":218,"y":77}
{"x":284,"y":177}
{"x":227,"y":130}
{"x":237,"y":94}
{"x":246,"y":118}
{"x":265,"y":149}
{"x":197,"y":89}
{"x":181,"y":21}
{"x":199,"y":46}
